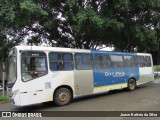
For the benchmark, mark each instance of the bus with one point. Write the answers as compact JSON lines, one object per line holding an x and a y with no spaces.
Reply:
{"x":41,"y":74}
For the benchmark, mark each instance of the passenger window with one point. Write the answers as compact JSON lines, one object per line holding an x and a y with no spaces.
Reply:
{"x":33,"y":65}
{"x":147,"y":61}
{"x":83,"y":61}
{"x":101,"y":61}
{"x":140,"y":61}
{"x":129,"y":61}
{"x":117,"y":61}
{"x":60,"y":61}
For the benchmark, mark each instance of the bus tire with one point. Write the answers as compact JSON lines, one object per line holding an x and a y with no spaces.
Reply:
{"x":62,"y":96}
{"x":131,"y":84}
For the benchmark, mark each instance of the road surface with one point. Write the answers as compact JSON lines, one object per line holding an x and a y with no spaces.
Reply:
{"x":145,"y":98}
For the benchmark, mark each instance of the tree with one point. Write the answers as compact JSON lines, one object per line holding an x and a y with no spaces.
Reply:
{"x":70,"y":23}
{"x":128,"y":25}
{"x":139,"y":17}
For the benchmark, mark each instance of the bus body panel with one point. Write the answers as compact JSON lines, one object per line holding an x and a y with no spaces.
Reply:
{"x":42,"y":89}
{"x":114,"y":76}
{"x":146,"y":75}
{"x":83,"y":82}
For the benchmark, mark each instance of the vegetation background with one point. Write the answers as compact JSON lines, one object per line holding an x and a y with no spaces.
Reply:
{"x":127,"y":25}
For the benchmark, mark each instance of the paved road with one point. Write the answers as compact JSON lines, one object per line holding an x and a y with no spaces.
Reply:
{"x":144,"y":98}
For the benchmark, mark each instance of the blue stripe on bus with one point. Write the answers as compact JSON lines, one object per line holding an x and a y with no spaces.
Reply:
{"x":114,"y":76}
{"x":103,"y":77}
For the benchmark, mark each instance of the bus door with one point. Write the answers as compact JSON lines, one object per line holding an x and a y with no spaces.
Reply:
{"x":83,"y":75}
{"x":33,"y":71}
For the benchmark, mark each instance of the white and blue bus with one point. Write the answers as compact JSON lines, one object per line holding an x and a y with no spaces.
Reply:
{"x":41,"y":74}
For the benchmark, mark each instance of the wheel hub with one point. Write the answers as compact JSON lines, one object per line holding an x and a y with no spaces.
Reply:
{"x":132,"y":85}
{"x":63,"y":97}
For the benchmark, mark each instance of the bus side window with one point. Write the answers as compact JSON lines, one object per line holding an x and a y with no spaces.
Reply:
{"x":59,"y":66}
{"x":129,"y":61}
{"x":140,"y":61}
{"x":101,"y":61}
{"x":83,"y":61}
{"x":53,"y":57}
{"x":117,"y":61}
{"x":67,"y":61}
{"x":60,"y":61}
{"x":147,"y":61}
{"x":108,"y":61}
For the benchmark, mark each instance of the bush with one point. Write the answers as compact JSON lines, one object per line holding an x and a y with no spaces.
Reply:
{"x":156,"y":68}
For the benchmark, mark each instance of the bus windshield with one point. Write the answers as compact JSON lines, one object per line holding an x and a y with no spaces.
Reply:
{"x":33,"y":65}
{"x":11,"y":74}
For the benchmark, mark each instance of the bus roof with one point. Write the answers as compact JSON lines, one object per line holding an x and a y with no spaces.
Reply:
{"x":61,"y":49}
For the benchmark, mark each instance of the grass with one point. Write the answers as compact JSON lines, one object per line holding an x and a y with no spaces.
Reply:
{"x":3,"y":97}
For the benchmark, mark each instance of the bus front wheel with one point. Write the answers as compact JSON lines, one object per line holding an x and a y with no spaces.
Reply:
{"x":62,"y":96}
{"x":131,"y":84}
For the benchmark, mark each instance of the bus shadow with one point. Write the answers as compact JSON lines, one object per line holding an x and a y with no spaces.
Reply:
{"x":51,"y":105}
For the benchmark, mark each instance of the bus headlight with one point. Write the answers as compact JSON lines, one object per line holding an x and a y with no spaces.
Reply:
{"x":15,"y":93}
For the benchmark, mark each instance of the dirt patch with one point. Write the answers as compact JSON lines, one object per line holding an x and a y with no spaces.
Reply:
{"x":4,"y":102}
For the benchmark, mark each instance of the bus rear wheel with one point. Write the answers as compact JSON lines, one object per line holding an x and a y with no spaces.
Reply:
{"x":131,"y":84}
{"x":62,"y":96}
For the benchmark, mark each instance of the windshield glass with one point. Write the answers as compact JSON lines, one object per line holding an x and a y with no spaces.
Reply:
{"x":11,"y":74}
{"x":33,"y":65}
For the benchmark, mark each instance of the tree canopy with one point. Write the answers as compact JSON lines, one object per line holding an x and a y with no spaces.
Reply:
{"x":128,"y":25}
